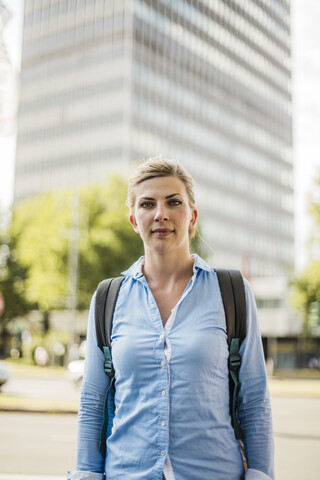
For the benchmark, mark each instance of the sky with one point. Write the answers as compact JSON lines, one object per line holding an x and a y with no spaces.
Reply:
{"x":306,"y":116}
{"x":306,"y":111}
{"x":13,"y":41}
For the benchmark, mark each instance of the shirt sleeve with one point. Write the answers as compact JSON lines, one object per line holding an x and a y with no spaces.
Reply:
{"x":254,"y":406}
{"x":90,"y":416}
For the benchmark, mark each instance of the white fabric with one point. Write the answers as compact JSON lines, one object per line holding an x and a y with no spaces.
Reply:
{"x":77,"y":475}
{"x":252,"y":474}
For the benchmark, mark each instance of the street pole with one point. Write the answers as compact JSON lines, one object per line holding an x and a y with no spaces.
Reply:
{"x":74,"y":262}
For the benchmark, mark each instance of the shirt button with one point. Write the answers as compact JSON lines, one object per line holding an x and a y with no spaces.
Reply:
{"x":163,"y":393}
{"x":163,"y":452}
{"x":162,"y":363}
{"x":163,"y":424}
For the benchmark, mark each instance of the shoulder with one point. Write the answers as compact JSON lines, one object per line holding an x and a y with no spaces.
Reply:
{"x":251,"y":303}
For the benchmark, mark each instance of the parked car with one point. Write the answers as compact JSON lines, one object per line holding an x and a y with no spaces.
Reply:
{"x":4,"y":373}
{"x":75,"y":371}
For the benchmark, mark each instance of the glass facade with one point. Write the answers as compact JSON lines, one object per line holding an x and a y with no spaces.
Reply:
{"x":208,"y":83}
{"x":8,"y":80}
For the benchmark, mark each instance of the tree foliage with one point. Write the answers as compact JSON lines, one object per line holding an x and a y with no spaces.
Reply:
{"x":40,"y":246}
{"x":306,"y":285}
{"x":39,"y":229}
{"x":12,"y":282}
{"x":307,"y":295}
{"x":108,"y":244}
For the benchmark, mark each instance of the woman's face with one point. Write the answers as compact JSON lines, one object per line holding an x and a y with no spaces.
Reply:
{"x":162,"y":214}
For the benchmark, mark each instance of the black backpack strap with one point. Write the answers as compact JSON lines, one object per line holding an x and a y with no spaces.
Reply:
{"x":106,"y":298}
{"x":234,"y":302}
{"x":107,"y":290}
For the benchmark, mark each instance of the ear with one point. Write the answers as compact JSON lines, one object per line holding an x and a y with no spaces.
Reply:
{"x":133,"y":222}
{"x":193,"y":220}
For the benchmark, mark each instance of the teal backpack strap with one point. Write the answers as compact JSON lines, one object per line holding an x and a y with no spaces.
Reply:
{"x":234,"y":366}
{"x":104,"y":429}
{"x":106,"y":298}
{"x":234,"y":302}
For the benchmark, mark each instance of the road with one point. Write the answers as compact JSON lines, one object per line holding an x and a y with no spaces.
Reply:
{"x":53,"y":388}
{"x":35,"y":444}
{"x":297,"y":438}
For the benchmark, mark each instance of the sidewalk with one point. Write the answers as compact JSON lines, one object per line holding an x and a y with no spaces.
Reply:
{"x":36,"y":405}
{"x":35,"y":389}
{"x":31,"y":477}
{"x":294,"y":387}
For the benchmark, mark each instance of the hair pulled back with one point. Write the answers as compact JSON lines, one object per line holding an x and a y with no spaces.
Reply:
{"x":159,"y":167}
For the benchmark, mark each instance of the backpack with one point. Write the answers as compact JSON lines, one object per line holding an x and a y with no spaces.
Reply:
{"x":234,"y":302}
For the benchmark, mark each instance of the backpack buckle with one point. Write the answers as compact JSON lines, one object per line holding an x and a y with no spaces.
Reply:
{"x":234,"y":361}
{"x":108,"y":368}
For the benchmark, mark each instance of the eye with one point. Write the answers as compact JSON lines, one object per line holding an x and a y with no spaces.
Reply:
{"x":146,"y":204}
{"x":175,"y":202}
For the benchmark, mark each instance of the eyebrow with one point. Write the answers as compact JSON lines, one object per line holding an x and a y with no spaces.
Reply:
{"x":168,"y":196}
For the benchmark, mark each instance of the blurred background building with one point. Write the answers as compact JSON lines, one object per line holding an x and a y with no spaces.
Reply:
{"x":8,"y":101}
{"x":208,"y":83}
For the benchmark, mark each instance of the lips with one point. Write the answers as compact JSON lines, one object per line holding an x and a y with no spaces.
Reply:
{"x":162,"y":232}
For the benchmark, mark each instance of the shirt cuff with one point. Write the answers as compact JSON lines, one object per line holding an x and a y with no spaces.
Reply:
{"x":252,"y":474}
{"x":78,"y":475}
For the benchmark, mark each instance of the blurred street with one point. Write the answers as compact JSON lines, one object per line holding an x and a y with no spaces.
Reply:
{"x":37,"y":443}
{"x":42,"y":446}
{"x":55,"y":387}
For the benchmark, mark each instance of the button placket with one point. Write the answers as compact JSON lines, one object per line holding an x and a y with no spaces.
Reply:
{"x":163,"y":393}
{"x":164,"y":374}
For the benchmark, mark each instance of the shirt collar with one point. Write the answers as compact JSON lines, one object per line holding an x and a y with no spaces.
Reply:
{"x":199,"y":263}
{"x":136,"y":269}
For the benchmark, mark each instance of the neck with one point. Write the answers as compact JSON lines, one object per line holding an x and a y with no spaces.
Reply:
{"x":164,"y":269}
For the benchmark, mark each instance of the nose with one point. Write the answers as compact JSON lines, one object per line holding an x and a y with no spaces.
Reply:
{"x":161,"y":213}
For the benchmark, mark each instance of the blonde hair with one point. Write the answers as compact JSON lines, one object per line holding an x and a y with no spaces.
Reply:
{"x":160,"y":167}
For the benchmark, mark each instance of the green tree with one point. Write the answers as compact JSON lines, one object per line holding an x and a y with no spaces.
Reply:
{"x":306,"y":294}
{"x":12,"y":286}
{"x":108,"y":244}
{"x":198,"y":244}
{"x":306,"y":285}
{"x":41,"y":229}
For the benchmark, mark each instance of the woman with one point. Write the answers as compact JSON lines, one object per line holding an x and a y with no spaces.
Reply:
{"x":170,"y":355}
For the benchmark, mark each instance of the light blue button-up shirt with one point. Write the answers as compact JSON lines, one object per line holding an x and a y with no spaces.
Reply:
{"x":172,"y":391}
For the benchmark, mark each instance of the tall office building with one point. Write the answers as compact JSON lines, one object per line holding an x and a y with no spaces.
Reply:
{"x":105,"y":83}
{"x":7,"y":79}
